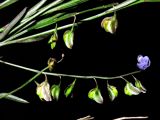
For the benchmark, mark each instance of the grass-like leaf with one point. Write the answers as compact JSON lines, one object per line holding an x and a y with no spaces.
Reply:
{"x":12,"y":24}
{"x":6,"y":3}
{"x":46,"y":22}
{"x":69,"y":4}
{"x":14,"y":98}
{"x":34,"y":9}
{"x":37,"y":14}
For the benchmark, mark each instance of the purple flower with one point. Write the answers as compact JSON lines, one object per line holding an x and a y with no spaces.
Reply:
{"x":143,"y":62}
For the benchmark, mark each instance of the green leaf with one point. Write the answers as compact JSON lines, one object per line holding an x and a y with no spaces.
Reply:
{"x":46,"y":22}
{"x":12,"y":24}
{"x":68,"y":38}
{"x":130,"y":90}
{"x":34,"y":39}
{"x":34,"y":9}
{"x":6,"y":3}
{"x":13,"y":98}
{"x":55,"y":91}
{"x":151,"y":0}
{"x":113,"y":92}
{"x":69,"y":4}
{"x":95,"y":94}
{"x":69,"y":89}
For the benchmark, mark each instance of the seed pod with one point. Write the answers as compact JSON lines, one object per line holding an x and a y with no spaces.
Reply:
{"x":55,"y":91}
{"x":68,"y":38}
{"x":69,"y":89}
{"x":43,"y":91}
{"x":54,"y":38}
{"x":110,"y":24}
{"x":113,"y":92}
{"x":51,"y":63}
{"x":95,"y":94}
{"x":130,"y":90}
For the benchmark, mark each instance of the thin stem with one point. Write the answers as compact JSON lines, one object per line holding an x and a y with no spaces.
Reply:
{"x":127,"y":118}
{"x":69,"y":75}
{"x":26,"y":83}
{"x":124,"y":78}
{"x":120,"y":6}
{"x":96,"y":82}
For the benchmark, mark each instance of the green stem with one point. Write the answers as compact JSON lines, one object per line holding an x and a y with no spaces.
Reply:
{"x":69,"y":75}
{"x":120,"y":6}
{"x":26,"y":83}
{"x":96,"y":82}
{"x":124,"y":78}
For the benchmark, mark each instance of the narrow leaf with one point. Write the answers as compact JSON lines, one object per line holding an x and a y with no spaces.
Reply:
{"x":51,"y":20}
{"x":35,"y":8}
{"x":6,"y":3}
{"x":69,"y":4}
{"x":34,"y":39}
{"x":46,"y":22}
{"x":13,"y":98}
{"x":12,"y":24}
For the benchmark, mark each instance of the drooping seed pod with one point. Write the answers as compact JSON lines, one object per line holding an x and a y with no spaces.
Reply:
{"x":51,"y":63}
{"x":113,"y":92}
{"x":43,"y":90}
{"x":55,"y":91}
{"x":69,"y":89}
{"x":95,"y":94}
{"x":130,"y":89}
{"x":68,"y":38}
{"x":110,"y":24}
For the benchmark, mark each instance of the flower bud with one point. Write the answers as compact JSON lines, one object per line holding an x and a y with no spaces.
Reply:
{"x":110,"y":24}
{"x":143,"y":62}
{"x":43,"y":91}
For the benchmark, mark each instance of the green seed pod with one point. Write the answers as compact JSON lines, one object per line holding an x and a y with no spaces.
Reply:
{"x":43,"y":91}
{"x":68,"y":38}
{"x":55,"y":91}
{"x":95,"y":94}
{"x":110,"y":24}
{"x":113,"y":92}
{"x":139,"y":85}
{"x":69,"y":89}
{"x":130,"y":90}
{"x":54,"y":38}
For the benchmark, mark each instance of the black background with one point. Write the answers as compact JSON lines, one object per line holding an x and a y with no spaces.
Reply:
{"x":95,"y":52}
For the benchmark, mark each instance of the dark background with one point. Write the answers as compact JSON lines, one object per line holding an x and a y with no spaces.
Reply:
{"x":95,"y":52}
